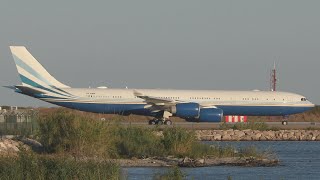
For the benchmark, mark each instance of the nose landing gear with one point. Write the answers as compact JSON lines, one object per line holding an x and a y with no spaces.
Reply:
{"x":285,"y":120}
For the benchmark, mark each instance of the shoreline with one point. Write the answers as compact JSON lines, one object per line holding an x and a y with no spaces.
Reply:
{"x":192,"y":163}
{"x":257,"y":135}
{"x":11,"y":147}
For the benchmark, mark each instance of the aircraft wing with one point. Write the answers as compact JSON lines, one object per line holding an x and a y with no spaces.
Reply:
{"x":155,"y":100}
{"x":158,"y":104}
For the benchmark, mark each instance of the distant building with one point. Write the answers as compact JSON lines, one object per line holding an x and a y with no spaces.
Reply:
{"x":15,"y":120}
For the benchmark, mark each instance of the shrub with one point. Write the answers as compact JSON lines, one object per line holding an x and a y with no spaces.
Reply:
{"x":66,"y":131}
{"x":30,"y":166}
{"x":262,"y":126}
{"x":56,"y":130}
{"x":81,"y":135}
{"x":138,"y":142}
{"x":178,"y":141}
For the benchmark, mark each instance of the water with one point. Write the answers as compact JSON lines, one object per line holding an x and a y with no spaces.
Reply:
{"x":299,"y":160}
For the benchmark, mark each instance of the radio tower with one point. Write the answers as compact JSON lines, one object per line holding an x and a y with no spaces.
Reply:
{"x":273,"y":78}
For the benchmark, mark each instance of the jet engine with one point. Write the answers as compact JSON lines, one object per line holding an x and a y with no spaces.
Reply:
{"x":186,"y":110}
{"x":193,"y":112}
{"x":211,"y":115}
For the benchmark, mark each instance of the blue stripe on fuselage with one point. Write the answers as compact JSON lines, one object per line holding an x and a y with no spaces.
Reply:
{"x":140,"y":110}
{"x":263,"y":110}
{"x":107,"y":108}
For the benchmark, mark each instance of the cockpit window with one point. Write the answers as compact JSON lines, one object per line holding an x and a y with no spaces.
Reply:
{"x":303,"y":99}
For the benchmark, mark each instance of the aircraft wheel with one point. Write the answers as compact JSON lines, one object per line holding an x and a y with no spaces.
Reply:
{"x":152,"y":122}
{"x":284,"y":123}
{"x":168,"y":122}
{"x":159,"y":122}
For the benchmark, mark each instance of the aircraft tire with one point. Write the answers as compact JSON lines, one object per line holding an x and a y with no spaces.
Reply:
{"x":159,"y":122}
{"x":152,"y":122}
{"x":168,"y":122}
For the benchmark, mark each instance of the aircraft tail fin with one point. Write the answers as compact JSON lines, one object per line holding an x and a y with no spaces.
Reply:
{"x":31,"y":72}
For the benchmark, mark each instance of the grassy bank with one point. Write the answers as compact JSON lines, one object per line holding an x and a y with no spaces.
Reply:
{"x":78,"y":146}
{"x":80,"y":135}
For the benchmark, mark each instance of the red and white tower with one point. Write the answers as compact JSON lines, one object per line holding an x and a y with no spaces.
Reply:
{"x":273,"y":78}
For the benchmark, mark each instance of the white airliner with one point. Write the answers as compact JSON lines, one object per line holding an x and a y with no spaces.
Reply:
{"x":192,"y":105}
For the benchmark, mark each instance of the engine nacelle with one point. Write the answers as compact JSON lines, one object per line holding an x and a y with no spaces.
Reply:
{"x":186,"y":110}
{"x":211,"y":115}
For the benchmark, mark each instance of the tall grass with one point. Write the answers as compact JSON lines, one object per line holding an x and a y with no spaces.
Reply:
{"x":138,"y":142}
{"x":178,"y":141}
{"x":81,"y":135}
{"x":63,"y":131}
{"x":30,"y":166}
{"x":262,"y":126}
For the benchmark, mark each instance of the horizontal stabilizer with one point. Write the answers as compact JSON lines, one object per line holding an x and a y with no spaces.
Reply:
{"x":10,"y":87}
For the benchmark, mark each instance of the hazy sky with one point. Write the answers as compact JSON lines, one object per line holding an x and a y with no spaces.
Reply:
{"x":185,"y":44}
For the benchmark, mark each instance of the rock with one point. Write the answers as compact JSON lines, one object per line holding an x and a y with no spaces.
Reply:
{"x":204,"y":138}
{"x":297,"y":134}
{"x":239,"y":134}
{"x":246,"y":138}
{"x":217,"y":137}
{"x":2,"y":145}
{"x":315,"y":133}
{"x":247,"y":135}
{"x":200,"y":161}
{"x":269,"y":133}
{"x":255,"y":137}
{"x":262,"y":138}
{"x":15,"y":148}
{"x":226,"y":137}
{"x":230,"y":132}
{"x":186,"y":162}
{"x":301,"y":138}
{"x":309,"y":137}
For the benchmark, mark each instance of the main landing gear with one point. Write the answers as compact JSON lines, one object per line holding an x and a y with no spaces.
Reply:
{"x":162,"y":118}
{"x":285,"y":120}
{"x":160,"y":121}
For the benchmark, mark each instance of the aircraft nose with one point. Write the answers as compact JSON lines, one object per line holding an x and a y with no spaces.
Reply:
{"x":311,"y":104}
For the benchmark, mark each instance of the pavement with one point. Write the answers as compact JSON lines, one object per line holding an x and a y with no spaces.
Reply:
{"x":204,"y":125}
